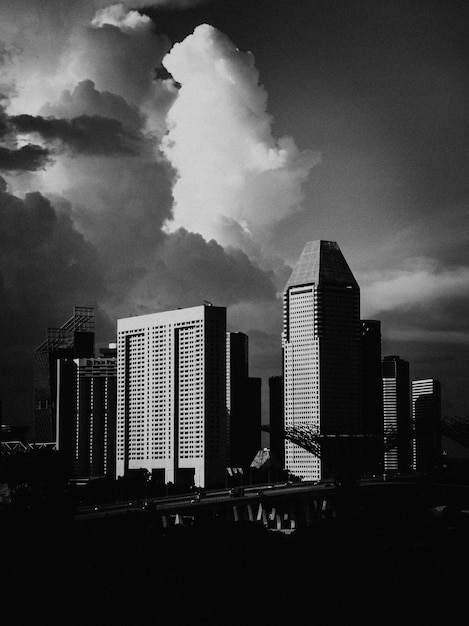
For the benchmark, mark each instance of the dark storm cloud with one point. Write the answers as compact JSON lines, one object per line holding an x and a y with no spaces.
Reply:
{"x":45,"y":265}
{"x":443,"y":237}
{"x":4,"y":126}
{"x":46,"y":268}
{"x":85,"y":134}
{"x":446,"y":315}
{"x":26,"y":158}
{"x":265,"y":351}
{"x":190,"y":270}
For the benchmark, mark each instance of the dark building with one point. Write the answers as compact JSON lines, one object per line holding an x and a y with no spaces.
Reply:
{"x":396,"y":408}
{"x":252,"y":432}
{"x":243,"y":401}
{"x":372,"y":392}
{"x":86,"y":413}
{"x":74,"y":339}
{"x":276,"y":422}
{"x":426,"y":421}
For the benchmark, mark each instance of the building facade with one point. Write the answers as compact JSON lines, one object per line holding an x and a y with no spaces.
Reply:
{"x":321,"y":351}
{"x":86,"y":414}
{"x":426,"y":422}
{"x":74,"y":339}
{"x":171,"y":395}
{"x":396,"y":411}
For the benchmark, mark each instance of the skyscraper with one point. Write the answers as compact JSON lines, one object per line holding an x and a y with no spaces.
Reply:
{"x":321,"y":351}
{"x":243,"y":402}
{"x":426,"y":421}
{"x":171,"y":395}
{"x":396,"y":407}
{"x":74,"y":339}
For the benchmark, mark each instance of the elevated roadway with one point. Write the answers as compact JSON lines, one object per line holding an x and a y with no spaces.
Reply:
{"x":283,"y":507}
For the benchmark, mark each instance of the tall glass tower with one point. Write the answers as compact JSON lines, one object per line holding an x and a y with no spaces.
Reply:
{"x":321,"y":351}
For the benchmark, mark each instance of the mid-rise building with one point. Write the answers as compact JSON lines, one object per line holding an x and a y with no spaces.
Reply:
{"x":171,"y":395}
{"x":396,"y":411}
{"x":74,"y":339}
{"x":321,"y":351}
{"x":86,"y":413}
{"x":426,"y":421}
{"x":243,"y":402}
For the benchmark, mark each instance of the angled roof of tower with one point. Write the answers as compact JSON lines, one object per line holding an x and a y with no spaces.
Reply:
{"x":321,"y":262}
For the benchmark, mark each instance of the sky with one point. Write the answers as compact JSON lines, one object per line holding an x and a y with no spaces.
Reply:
{"x":158,"y":154}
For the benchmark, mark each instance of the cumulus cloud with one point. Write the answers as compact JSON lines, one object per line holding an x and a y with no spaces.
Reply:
{"x":121,"y":204}
{"x":84,"y":218}
{"x":52,"y":48}
{"x":117,"y":15}
{"x":232,"y":173}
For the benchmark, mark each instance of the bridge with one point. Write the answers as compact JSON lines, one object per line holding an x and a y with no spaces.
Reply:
{"x":279,"y":507}
{"x":12,"y":447}
{"x":282,"y":507}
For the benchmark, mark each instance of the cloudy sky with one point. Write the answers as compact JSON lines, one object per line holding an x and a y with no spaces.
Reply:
{"x":155,"y":155}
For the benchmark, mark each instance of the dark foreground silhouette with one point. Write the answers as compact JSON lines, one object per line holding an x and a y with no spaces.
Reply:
{"x":386,"y":563}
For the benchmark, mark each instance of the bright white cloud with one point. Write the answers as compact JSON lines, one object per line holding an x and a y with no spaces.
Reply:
{"x":117,"y":15}
{"x":233,"y":175}
{"x":116,"y":49}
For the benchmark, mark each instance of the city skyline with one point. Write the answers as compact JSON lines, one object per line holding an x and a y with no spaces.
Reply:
{"x":346,"y":123}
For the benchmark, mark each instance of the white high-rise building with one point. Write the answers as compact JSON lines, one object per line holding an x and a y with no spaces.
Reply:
{"x":321,"y":351}
{"x":171,"y":386}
